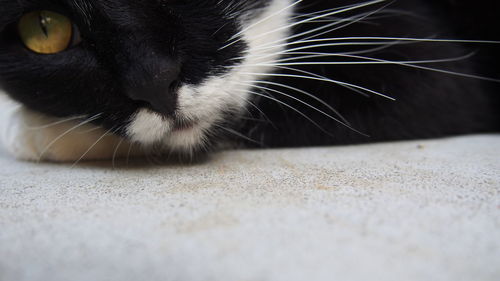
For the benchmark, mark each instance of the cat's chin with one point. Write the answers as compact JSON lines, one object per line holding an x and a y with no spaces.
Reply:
{"x":149,"y":128}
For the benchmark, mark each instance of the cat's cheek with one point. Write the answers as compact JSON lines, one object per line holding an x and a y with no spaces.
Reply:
{"x":31,"y":136}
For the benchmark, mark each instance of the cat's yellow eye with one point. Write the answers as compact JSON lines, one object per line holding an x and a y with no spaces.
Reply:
{"x":45,"y":32}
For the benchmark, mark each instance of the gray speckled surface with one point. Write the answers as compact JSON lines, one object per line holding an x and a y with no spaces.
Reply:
{"x":425,"y":210}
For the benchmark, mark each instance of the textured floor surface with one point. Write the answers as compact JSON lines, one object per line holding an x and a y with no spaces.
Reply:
{"x":426,"y":210}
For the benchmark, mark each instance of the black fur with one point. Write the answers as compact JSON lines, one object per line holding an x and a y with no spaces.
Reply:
{"x":132,"y":47}
{"x":428,"y":104}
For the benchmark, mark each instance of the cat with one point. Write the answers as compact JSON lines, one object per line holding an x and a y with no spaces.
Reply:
{"x":114,"y":78}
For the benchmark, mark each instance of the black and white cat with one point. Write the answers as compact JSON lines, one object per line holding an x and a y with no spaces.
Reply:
{"x":161,"y":76}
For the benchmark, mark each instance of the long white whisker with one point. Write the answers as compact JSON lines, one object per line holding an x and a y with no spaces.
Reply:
{"x":296,"y":56}
{"x":326,"y":10}
{"x":47,"y":147}
{"x":370,"y":61}
{"x":89,"y":130}
{"x":355,"y":38}
{"x":413,"y":65}
{"x":130,"y":145}
{"x":115,"y":152}
{"x":306,"y":104}
{"x":372,"y":50}
{"x":238,"y":134}
{"x":254,"y":106}
{"x":290,"y":107}
{"x":295,"y":50}
{"x":321,"y":79}
{"x":382,"y":14}
{"x":359,"y":6}
{"x":339,"y":44}
{"x":91,"y":147}
{"x":260,"y":111}
{"x":296,"y":110}
{"x":305,"y":93}
{"x":357,"y":19}
{"x":45,"y":126}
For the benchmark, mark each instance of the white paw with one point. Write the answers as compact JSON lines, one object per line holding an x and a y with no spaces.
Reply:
{"x":35,"y":137}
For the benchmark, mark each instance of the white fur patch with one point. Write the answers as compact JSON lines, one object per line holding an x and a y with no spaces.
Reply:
{"x":148,"y":126}
{"x":33,"y":136}
{"x":206,"y":103}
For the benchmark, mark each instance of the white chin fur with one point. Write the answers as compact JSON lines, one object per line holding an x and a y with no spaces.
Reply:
{"x":206,"y":103}
{"x":149,"y":128}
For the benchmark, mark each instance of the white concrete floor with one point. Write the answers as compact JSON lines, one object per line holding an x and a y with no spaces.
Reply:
{"x":424,"y":210}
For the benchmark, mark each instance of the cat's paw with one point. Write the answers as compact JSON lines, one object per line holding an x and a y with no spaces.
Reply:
{"x":32,"y":136}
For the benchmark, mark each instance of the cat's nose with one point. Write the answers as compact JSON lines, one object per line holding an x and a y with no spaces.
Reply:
{"x":162,"y":99}
{"x":158,"y":91}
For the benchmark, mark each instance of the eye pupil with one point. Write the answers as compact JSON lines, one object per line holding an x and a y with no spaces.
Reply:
{"x":43,"y":24}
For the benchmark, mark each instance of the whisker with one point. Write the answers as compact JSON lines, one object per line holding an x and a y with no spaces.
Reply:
{"x":45,"y":126}
{"x":309,"y":55}
{"x":320,"y":79}
{"x":372,"y":50}
{"x":47,"y":147}
{"x":262,"y":114}
{"x":356,"y":38}
{"x":340,"y":44}
{"x":323,"y":77}
{"x":292,"y":61}
{"x":128,"y":153}
{"x":385,"y":13}
{"x":359,"y":6}
{"x":89,"y":130}
{"x":329,"y":27}
{"x":115,"y":152}
{"x":292,"y":51}
{"x":295,"y":110}
{"x":357,"y":19}
{"x":342,"y":119}
{"x":308,"y":105}
{"x":370,"y":60}
{"x":307,"y":94}
{"x":327,"y":10}
{"x":253,"y":119}
{"x":413,"y":65}
{"x":254,"y":106}
{"x":91,"y":147}
{"x":231,"y":131}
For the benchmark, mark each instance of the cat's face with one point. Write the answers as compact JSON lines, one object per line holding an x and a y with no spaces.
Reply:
{"x":165,"y":72}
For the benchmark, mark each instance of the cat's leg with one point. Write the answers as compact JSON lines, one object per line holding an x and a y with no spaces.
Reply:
{"x":33,"y":136}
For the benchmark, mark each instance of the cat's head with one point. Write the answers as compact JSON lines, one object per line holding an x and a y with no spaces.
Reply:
{"x":166,"y":72}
